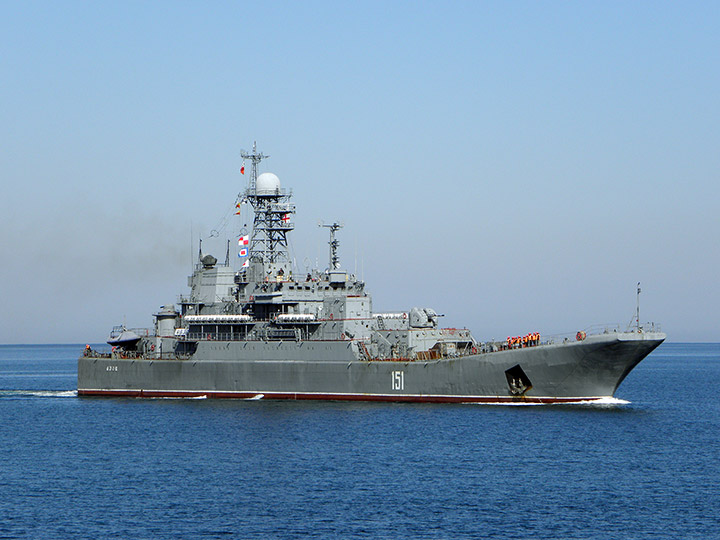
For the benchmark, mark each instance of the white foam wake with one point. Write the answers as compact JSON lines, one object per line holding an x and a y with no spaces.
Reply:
{"x":39,"y":393}
{"x":603,"y":402}
{"x":600,"y":402}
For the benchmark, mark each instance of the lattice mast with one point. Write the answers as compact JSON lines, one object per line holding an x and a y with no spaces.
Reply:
{"x":273,"y":210}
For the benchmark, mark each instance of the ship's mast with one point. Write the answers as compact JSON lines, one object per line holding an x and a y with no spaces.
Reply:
{"x":334,"y":243}
{"x":255,"y":158}
{"x":637,"y":313}
{"x":273,"y":211}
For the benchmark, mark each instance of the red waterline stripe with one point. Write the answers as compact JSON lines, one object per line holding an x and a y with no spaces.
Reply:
{"x":334,"y":397}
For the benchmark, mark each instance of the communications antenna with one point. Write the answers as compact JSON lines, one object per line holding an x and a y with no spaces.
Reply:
{"x":334,"y":243}
{"x":255,"y":159}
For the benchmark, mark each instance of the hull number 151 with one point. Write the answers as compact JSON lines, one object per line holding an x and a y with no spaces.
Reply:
{"x":398,"y":380}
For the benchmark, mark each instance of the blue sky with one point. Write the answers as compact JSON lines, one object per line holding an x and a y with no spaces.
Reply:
{"x":517,"y":166}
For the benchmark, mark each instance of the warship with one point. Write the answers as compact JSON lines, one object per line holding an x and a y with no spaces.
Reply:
{"x":260,"y":329}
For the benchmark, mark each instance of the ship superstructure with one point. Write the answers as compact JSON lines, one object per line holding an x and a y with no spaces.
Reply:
{"x":266,"y":330}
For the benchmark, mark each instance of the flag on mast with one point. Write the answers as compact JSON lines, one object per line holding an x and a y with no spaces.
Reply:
{"x":242,"y":169}
{"x":244,"y":240}
{"x":246,"y":264}
{"x":243,"y":252}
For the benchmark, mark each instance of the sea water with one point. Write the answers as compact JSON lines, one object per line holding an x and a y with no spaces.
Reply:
{"x":643,"y":465}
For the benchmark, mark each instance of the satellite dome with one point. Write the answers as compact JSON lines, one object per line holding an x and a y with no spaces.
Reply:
{"x":267,"y":184}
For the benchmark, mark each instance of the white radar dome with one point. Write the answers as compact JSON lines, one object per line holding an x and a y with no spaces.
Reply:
{"x":267,"y":184}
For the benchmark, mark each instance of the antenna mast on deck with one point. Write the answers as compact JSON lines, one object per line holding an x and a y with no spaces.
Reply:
{"x":637,"y":313}
{"x":255,"y":159}
{"x":334,"y":243}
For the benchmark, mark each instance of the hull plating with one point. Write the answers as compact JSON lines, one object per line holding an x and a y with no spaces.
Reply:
{"x":564,"y":372}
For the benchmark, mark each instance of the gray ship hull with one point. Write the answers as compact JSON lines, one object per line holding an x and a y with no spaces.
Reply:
{"x":564,"y":372}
